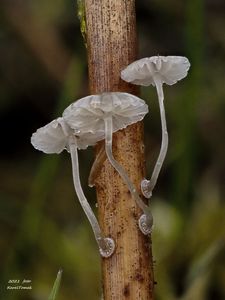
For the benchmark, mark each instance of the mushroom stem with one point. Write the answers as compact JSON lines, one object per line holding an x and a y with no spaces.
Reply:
{"x":146,"y":220}
{"x":147,"y":186}
{"x":106,"y":245}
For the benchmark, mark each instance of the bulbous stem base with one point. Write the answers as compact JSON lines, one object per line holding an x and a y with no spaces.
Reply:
{"x":106,"y":247}
{"x":145,"y":224}
{"x":145,"y":188}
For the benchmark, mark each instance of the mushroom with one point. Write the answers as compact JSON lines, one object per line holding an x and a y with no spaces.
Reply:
{"x":155,"y":71}
{"x":102,"y":115}
{"x":54,"y":138}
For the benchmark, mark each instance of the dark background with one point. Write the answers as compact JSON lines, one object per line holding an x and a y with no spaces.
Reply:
{"x":43,"y":68}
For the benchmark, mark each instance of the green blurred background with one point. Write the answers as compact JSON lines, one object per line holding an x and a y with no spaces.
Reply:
{"x":43,"y":68}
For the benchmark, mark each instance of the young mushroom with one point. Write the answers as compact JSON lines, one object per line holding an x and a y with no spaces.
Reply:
{"x":155,"y":71}
{"x":102,"y":115}
{"x":54,"y":138}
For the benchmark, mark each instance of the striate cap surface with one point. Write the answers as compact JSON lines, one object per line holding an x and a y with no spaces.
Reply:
{"x":167,"y":69}
{"x":87,"y":114}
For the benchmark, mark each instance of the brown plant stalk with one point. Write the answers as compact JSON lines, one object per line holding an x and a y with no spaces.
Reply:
{"x":111,"y":46}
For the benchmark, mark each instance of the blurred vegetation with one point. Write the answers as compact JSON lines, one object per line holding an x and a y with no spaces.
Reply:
{"x":56,"y":286}
{"x":43,"y":68}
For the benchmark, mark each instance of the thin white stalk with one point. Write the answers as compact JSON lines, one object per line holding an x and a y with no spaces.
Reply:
{"x":146,"y":220}
{"x":164,"y":144}
{"x":106,"y":245}
{"x":146,"y":185}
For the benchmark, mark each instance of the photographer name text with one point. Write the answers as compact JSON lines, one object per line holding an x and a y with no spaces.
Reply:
{"x":17,"y":284}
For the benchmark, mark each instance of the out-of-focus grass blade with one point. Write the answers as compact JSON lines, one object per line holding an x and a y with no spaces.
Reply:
{"x":56,"y":285}
{"x":200,"y":273}
{"x":201,"y":265}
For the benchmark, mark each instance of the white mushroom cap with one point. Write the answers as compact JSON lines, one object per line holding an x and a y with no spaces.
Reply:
{"x":87,"y":114}
{"x":54,"y":138}
{"x":168,"y":69}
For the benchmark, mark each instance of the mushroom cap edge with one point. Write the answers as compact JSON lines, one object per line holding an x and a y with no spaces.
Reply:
{"x":87,"y":114}
{"x":169,"y":69}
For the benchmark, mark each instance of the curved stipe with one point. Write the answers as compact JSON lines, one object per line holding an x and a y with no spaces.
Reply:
{"x":147,"y":186}
{"x":106,"y":244}
{"x":146,"y":220}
